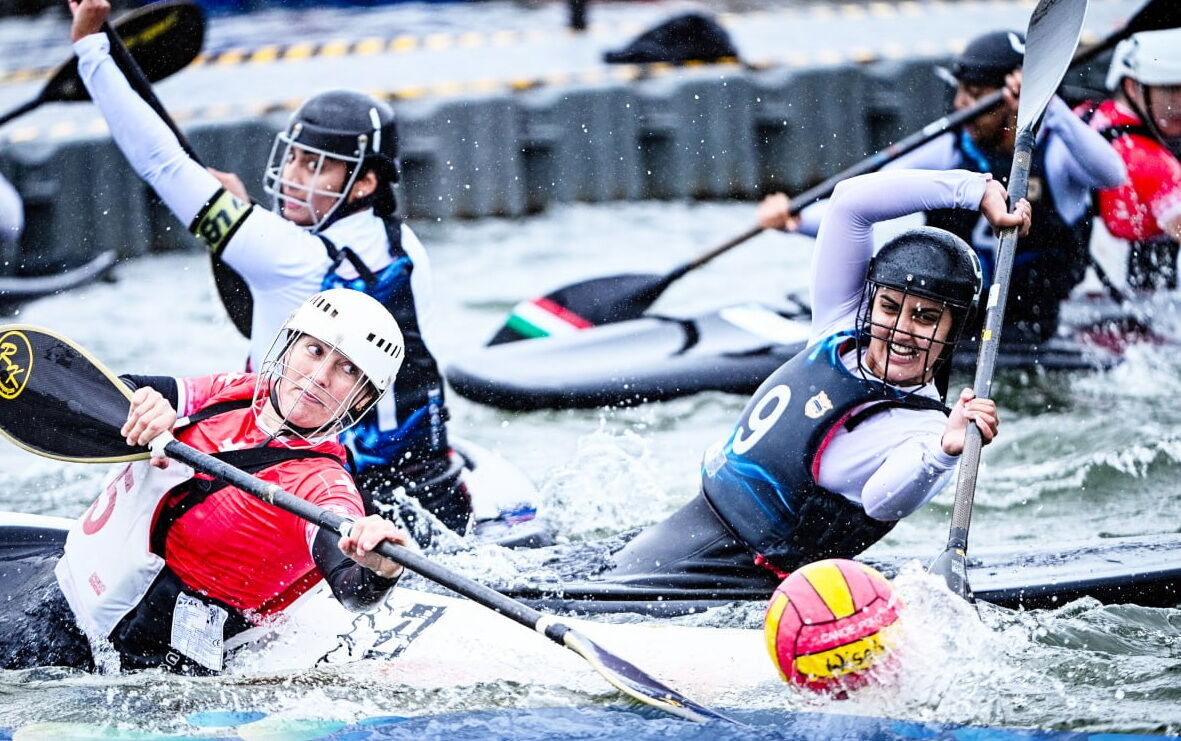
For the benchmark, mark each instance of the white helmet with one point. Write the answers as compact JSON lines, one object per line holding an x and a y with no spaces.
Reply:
{"x":350,"y":323}
{"x":1149,"y":58}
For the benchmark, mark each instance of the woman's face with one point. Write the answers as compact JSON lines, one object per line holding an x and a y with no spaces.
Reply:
{"x":906,"y":333}
{"x":318,"y":385}
{"x":1164,"y":104}
{"x":309,"y":179}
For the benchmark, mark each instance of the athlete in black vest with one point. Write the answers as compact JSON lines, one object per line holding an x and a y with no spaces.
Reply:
{"x":850,"y":435}
{"x":1070,"y":160}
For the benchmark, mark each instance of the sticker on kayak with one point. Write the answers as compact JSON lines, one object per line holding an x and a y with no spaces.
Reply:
{"x":383,"y":643}
{"x":763,"y":322}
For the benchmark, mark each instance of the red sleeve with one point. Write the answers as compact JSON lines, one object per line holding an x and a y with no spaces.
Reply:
{"x":197,"y":392}
{"x":324,"y":485}
{"x":1153,"y":191}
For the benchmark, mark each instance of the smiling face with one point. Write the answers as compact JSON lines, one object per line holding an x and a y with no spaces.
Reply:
{"x":907,"y":336}
{"x":318,"y":386}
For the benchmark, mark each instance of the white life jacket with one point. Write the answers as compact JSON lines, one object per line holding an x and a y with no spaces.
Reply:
{"x":108,"y":564}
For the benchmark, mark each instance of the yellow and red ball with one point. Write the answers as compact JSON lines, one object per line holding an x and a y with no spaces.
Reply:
{"x":824,"y":623}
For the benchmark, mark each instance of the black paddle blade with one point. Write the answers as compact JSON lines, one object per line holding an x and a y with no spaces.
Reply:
{"x":588,"y":303}
{"x":633,"y":681}
{"x":234,"y":294}
{"x":163,"y":37}
{"x":57,"y":401}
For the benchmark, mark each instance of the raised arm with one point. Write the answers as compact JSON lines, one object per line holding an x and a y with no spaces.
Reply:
{"x":148,"y":144}
{"x":845,"y":242}
{"x":1080,"y":151}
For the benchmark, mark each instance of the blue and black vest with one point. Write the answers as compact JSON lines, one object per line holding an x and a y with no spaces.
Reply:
{"x":421,"y":424}
{"x":1050,"y":261}
{"x":762,"y":481}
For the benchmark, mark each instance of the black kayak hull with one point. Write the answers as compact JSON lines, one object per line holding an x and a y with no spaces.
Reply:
{"x":731,"y":349}
{"x":1143,"y":570}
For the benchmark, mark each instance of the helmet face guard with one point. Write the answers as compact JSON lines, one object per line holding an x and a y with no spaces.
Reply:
{"x":288,"y":385}
{"x":288,"y":145}
{"x":903,"y":326}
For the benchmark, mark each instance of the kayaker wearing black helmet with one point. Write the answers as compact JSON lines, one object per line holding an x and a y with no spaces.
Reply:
{"x":849,"y":436}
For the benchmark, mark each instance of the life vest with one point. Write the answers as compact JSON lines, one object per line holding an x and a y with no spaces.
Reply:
{"x":413,"y":417}
{"x":1050,"y":261}
{"x":1152,"y":262}
{"x":761,"y":482}
{"x":113,"y":568}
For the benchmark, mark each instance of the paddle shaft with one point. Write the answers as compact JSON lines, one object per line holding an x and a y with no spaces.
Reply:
{"x":986,"y":363}
{"x":232,"y":290}
{"x":872,"y":163}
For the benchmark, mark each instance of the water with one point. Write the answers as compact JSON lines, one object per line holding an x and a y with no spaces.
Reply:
{"x":1079,"y":456}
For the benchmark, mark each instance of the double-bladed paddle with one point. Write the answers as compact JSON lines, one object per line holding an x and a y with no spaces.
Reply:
{"x":57,"y":401}
{"x":163,"y":38}
{"x":618,"y":298}
{"x":1053,"y":34}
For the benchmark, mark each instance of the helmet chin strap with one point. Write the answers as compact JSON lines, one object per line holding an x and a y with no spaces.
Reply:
{"x":347,"y":207}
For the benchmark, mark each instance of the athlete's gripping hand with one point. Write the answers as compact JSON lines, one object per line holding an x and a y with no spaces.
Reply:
{"x":774,"y":212}
{"x":150,"y":414}
{"x":995,"y":207}
{"x":969,"y":408}
{"x":366,"y":535}
{"x":89,"y":17}
{"x":231,"y":183}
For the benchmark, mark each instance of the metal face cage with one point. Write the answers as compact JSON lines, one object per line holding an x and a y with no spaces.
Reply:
{"x":905,"y":335}
{"x":286,"y":191}
{"x":278,"y":375}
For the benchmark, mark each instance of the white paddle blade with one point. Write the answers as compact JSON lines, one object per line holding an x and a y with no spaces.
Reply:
{"x":1050,"y":42}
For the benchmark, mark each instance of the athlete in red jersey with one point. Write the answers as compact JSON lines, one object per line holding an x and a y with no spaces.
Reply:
{"x":1143,"y":122}
{"x":171,"y":566}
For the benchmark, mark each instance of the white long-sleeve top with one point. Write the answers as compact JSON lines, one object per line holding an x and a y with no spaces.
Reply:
{"x":892,"y":463}
{"x":282,"y":263}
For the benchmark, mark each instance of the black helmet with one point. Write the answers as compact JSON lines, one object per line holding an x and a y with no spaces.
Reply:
{"x":933,"y":264}
{"x":345,"y":125}
{"x":988,"y":58}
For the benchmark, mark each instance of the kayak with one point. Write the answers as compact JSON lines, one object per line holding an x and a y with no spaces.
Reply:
{"x":19,"y":289}
{"x":1143,"y":570}
{"x":731,"y":349}
{"x":425,"y":641}
{"x":504,"y":500}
